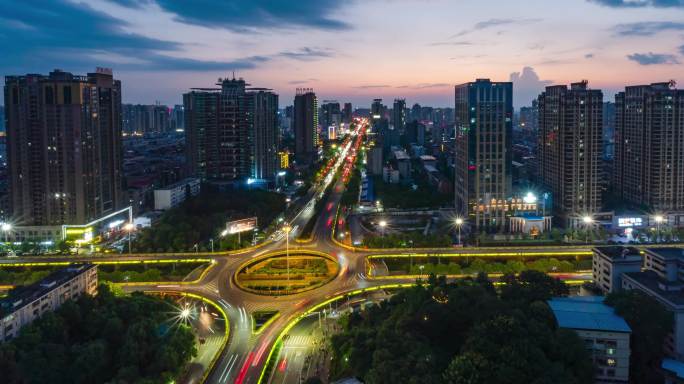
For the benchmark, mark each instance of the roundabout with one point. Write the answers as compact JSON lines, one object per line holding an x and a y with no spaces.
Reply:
{"x":282,"y":273}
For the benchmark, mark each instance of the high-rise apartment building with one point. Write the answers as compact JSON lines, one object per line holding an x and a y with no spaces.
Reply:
{"x":483,"y":110}
{"x":231,"y":132}
{"x":306,"y":124}
{"x":571,"y":147}
{"x":331,"y":117}
{"x":347,"y":113}
{"x":141,"y":119}
{"x":399,"y":115}
{"x":64,"y":147}
{"x":377,"y":111}
{"x":649,"y":146}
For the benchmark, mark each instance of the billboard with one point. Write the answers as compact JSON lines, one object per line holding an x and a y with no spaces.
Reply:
{"x":243,"y":225}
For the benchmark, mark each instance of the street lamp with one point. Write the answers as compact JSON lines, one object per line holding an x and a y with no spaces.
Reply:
{"x":459,"y":223}
{"x":658,"y":219}
{"x":211,"y":241}
{"x":6,"y":227}
{"x":587,"y":220}
{"x":287,"y":229}
{"x":129,"y":227}
{"x":382,"y":225}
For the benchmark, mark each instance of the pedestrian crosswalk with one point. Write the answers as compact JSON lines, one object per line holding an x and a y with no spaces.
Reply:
{"x":298,"y":341}
{"x":211,"y":287}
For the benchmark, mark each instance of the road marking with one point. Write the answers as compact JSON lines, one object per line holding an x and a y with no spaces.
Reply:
{"x":225,"y":370}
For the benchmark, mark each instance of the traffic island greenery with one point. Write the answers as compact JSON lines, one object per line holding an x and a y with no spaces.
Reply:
{"x":269,"y":276}
{"x":470,"y":266}
{"x":102,"y":339}
{"x":132,"y":273}
{"x":408,"y":240}
{"x":463,"y":332}
{"x":120,"y":273}
{"x":260,"y":319}
{"x":203,"y":217}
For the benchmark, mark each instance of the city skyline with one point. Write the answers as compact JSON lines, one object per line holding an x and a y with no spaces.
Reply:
{"x":350,"y":51}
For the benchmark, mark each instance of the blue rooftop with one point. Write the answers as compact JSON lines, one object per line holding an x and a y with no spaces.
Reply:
{"x":588,"y":313}
{"x":674,"y":366}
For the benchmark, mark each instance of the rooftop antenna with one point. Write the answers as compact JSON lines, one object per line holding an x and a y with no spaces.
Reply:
{"x":233,"y":75}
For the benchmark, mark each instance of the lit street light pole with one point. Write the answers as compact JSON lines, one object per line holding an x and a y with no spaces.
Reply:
{"x":129,"y":227}
{"x":6,"y":227}
{"x":382,"y":225}
{"x":459,"y":223}
{"x":588,"y":220}
{"x":658,"y":219}
{"x":287,"y":230}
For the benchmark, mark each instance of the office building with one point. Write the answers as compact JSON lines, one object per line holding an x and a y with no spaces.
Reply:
{"x":649,"y":146}
{"x":484,"y":110}
{"x":375,"y":162}
{"x":306,"y":125}
{"x":2,"y":118}
{"x":231,"y":132}
{"x":25,"y":305}
{"x":347,"y":113}
{"x":399,"y":115}
{"x":176,"y":193}
{"x":605,"y":334}
{"x":63,"y":147}
{"x":570,"y":147}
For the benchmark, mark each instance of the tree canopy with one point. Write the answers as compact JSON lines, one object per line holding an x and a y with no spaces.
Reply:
{"x":103,"y":339}
{"x":463,"y":333}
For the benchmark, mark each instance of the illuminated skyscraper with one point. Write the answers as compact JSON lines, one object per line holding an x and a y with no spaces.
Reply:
{"x":483,"y":151}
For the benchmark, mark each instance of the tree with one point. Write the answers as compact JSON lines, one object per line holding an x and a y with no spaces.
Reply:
{"x":650,"y":323}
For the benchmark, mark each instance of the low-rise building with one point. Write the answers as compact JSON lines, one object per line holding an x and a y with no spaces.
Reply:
{"x":174,"y":194}
{"x":605,"y":334}
{"x":26,"y":304}
{"x":611,"y":262}
{"x":673,"y":371}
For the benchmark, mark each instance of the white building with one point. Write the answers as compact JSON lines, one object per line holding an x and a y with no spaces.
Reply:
{"x":174,"y":194}
{"x":610,"y":263}
{"x":27,"y":304}
{"x":605,"y":334}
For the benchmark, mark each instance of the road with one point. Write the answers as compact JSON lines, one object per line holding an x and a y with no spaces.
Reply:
{"x":245,"y":354}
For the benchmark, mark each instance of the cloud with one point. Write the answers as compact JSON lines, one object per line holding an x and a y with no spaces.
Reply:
{"x":425,"y":85}
{"x":307,"y":54}
{"x":43,"y":35}
{"x":371,"y":86}
{"x":651,"y":58}
{"x":296,"y":82}
{"x":589,"y":56}
{"x":450,"y":43}
{"x":486,"y":24}
{"x":681,"y":49}
{"x":639,"y":3}
{"x":527,"y":86}
{"x":647,"y":28}
{"x":246,"y":15}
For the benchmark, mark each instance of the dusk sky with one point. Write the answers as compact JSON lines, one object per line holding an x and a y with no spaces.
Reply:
{"x":348,"y":50}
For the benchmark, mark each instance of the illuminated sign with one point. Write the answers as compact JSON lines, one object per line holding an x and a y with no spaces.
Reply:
{"x":629,"y":222}
{"x":243,"y":225}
